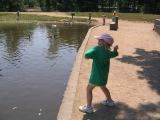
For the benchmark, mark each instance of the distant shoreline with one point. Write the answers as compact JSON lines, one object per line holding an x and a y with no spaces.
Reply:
{"x":79,"y":16}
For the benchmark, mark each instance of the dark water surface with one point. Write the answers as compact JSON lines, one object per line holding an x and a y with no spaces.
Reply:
{"x":35,"y":64}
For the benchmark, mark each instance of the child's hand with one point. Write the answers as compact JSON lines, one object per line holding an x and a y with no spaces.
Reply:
{"x":116,"y":48}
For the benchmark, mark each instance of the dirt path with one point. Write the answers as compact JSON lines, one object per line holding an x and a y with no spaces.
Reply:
{"x":62,"y":14}
{"x":134,"y":78}
{"x":58,"y":14}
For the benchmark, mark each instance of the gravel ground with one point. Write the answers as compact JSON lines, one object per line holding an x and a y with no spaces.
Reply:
{"x":134,"y":79}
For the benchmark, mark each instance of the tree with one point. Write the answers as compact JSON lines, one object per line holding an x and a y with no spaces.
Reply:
{"x":15,"y":5}
{"x":3,"y":5}
{"x":48,"y":5}
{"x":87,"y":5}
{"x":146,"y":6}
{"x":11,"y":5}
{"x":41,"y":4}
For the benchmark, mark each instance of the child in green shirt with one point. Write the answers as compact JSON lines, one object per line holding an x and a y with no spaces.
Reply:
{"x":101,"y":56}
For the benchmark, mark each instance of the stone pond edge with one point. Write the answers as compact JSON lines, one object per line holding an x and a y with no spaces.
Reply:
{"x":66,"y":107}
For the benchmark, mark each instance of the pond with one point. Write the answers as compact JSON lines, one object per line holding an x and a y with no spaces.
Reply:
{"x":35,"y":64}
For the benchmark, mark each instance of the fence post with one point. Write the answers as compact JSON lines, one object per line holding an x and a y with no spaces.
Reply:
{"x":104,"y":19}
{"x":89,"y":18}
{"x":90,"y":15}
{"x":116,"y":21}
{"x":72,"y":14}
{"x":18,"y":12}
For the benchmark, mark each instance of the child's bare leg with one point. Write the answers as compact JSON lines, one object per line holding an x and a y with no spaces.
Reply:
{"x":106,"y":92}
{"x":89,"y":94}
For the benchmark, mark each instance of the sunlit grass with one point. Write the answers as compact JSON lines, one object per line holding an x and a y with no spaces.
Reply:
{"x":4,"y":16}
{"x":30,"y":17}
{"x":123,"y":16}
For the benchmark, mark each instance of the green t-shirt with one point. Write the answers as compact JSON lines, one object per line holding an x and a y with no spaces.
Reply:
{"x":100,"y":66}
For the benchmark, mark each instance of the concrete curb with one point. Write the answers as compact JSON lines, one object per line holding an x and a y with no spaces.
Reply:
{"x":66,"y":107}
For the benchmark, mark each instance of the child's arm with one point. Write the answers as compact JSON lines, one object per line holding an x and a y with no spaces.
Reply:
{"x":89,"y":54}
{"x":114,"y":53}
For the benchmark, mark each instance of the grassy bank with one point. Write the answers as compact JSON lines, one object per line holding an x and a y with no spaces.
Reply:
{"x":30,"y":17}
{"x":4,"y":16}
{"x":123,"y":16}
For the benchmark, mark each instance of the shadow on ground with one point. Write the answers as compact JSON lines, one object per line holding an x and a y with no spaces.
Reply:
{"x":149,"y":61}
{"x":123,"y":112}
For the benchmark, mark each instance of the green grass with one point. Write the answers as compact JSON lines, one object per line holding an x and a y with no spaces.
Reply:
{"x":123,"y":16}
{"x":28,"y":17}
{"x":4,"y":16}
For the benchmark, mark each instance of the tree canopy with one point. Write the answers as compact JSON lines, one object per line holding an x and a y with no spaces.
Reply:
{"x":146,"y":6}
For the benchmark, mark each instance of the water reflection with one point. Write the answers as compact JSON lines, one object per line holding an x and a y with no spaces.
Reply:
{"x":13,"y":38}
{"x":35,"y":64}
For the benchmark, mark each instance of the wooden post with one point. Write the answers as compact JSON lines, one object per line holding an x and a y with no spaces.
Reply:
{"x":72,"y":14}
{"x":90,"y":15}
{"x":18,"y":15}
{"x":104,"y":19}
{"x":116,"y":21}
{"x":89,"y":18}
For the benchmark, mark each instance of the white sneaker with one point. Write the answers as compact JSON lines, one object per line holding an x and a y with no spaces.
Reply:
{"x":86,"y":109}
{"x":109,"y":103}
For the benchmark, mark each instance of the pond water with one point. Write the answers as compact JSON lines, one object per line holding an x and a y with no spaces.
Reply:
{"x":35,"y":65}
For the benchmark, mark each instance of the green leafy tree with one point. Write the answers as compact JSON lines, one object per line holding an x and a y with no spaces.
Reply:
{"x":48,"y":5}
{"x":87,"y":5}
{"x":41,"y":4}
{"x":11,"y":5}
{"x":3,"y":5}
{"x":15,"y":5}
{"x":146,"y":6}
